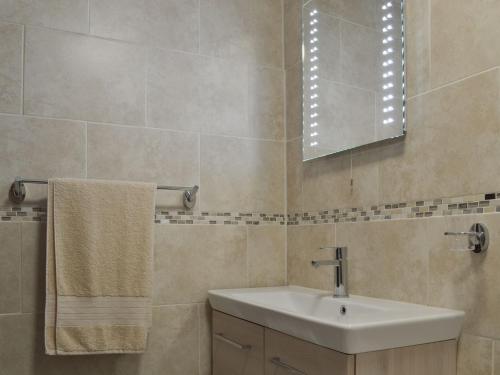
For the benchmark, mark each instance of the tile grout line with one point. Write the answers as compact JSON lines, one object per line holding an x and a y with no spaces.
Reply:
{"x":21,"y":240}
{"x":23,"y":68}
{"x":86,"y":149}
{"x":285,"y":145}
{"x":455,"y":82}
{"x":198,"y":310}
{"x":88,"y":16}
{"x":138,"y":127}
{"x":493,"y":345}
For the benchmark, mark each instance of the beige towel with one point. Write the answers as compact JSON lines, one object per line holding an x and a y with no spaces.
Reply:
{"x":99,"y":266}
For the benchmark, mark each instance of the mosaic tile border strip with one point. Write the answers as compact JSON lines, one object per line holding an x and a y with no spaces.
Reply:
{"x":466,"y":205}
{"x":27,"y":214}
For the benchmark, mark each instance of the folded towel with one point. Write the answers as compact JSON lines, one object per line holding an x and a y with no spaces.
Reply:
{"x":99,"y":266}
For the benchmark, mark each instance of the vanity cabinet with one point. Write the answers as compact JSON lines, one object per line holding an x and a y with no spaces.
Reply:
{"x":287,"y":355}
{"x":243,"y":348}
{"x":237,"y":346}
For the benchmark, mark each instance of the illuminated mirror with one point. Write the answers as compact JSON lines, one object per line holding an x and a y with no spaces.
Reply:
{"x":353,"y":74}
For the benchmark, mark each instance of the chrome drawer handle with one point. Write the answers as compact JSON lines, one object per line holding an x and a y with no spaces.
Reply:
{"x":277,"y":361}
{"x":221,"y":337}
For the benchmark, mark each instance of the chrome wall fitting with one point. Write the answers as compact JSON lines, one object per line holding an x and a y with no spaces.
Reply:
{"x":479,"y":238}
{"x":17,"y":192}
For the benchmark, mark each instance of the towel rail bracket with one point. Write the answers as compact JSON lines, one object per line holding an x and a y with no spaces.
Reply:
{"x":17,"y":192}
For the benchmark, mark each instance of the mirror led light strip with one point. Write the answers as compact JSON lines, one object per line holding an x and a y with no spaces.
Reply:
{"x":388,"y":62}
{"x":313,"y":77}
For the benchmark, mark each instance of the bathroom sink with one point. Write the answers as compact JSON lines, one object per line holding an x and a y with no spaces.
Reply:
{"x":350,"y":325}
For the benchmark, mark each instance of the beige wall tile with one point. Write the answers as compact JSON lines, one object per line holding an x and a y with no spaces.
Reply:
{"x":33,"y":267}
{"x":474,"y":355}
{"x":17,"y":344}
{"x":192,"y":259}
{"x":39,"y":148}
{"x":127,"y":153}
{"x":71,"y":15}
{"x":464,"y":33}
{"x":242,"y":175}
{"x":205,"y":313}
{"x":172,"y":348}
{"x":293,"y":32}
{"x":11,"y":67}
{"x":249,"y":31}
{"x":84,"y":78}
{"x":438,"y":144}
{"x":304,"y":242}
{"x":197,"y":93}
{"x":173,"y":343}
{"x":293,"y":77}
{"x":417,"y":46}
{"x":326,"y":183}
{"x":383,"y":253}
{"x":266,"y":105}
{"x":466,"y":281}
{"x":365,"y":178}
{"x":294,"y":174}
{"x":266,"y":252}
{"x":10,"y":271}
{"x":167,"y":23}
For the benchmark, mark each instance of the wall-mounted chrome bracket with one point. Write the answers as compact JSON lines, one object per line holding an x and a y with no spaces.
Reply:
{"x":479,"y":238}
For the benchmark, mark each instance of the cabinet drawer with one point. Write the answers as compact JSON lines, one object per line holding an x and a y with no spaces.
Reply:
{"x":237,"y":346}
{"x":286,"y":355}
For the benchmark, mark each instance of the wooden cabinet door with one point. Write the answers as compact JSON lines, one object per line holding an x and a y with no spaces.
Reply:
{"x":438,"y":358}
{"x":287,"y":355}
{"x":237,"y":346}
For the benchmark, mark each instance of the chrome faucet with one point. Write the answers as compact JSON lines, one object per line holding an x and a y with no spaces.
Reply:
{"x":340,"y":265}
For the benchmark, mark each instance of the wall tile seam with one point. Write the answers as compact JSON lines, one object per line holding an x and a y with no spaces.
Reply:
{"x":136,"y":127}
{"x":453,"y":83}
{"x":147,"y":47}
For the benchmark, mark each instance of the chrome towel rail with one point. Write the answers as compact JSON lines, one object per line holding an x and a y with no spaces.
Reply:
{"x":17,"y":191}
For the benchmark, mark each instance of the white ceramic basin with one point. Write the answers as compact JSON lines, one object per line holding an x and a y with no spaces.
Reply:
{"x":314,"y":315}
